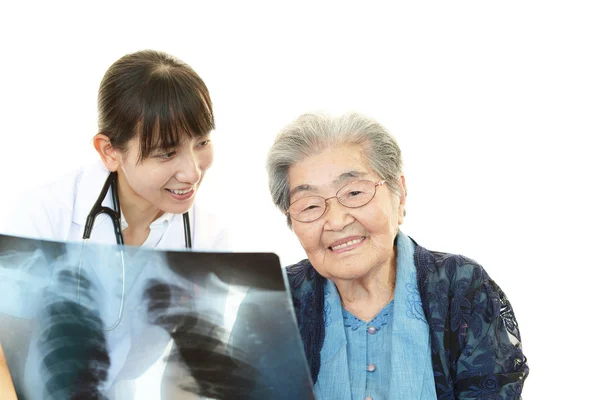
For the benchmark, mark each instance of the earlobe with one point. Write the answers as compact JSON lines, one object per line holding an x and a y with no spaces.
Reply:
{"x":106,"y":151}
{"x":401,"y":214}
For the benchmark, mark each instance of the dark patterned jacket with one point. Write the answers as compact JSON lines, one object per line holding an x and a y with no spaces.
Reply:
{"x":475,"y":341}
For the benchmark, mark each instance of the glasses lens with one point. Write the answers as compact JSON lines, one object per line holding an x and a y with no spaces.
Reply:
{"x":356,"y":194}
{"x":308,"y":208}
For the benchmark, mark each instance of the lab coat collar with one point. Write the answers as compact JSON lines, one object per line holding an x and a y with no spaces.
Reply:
{"x":87,"y":191}
{"x":164,"y":218}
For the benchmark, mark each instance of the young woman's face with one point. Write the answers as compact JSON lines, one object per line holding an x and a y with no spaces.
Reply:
{"x":167,"y":179}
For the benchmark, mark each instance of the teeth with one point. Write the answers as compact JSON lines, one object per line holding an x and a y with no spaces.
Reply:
{"x":350,"y":243}
{"x":181,"y":191}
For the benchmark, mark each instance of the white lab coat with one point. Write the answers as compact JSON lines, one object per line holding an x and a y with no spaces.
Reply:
{"x":58,"y":212}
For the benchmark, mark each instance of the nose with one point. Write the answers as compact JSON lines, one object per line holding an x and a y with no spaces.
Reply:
{"x":189,"y":170}
{"x":336,"y":216}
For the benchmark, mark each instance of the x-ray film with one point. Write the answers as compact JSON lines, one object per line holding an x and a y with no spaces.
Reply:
{"x":115,"y":322}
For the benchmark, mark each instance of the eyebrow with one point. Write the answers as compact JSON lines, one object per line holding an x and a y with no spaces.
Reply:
{"x":336,"y":182}
{"x":157,"y":148}
{"x":348,"y":175}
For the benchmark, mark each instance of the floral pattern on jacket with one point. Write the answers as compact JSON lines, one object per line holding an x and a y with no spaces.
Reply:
{"x":475,"y":340}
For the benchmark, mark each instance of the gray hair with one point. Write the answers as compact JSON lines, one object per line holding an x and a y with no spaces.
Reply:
{"x":310,"y":134}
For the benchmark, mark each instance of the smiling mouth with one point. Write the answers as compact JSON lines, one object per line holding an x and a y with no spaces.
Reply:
{"x":180,"y":192}
{"x":347,"y":244}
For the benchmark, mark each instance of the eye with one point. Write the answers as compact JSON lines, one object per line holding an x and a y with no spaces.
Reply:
{"x":166,"y":156}
{"x":203,"y":143}
{"x":311,"y":207}
{"x":306,"y":206}
{"x":354,"y":193}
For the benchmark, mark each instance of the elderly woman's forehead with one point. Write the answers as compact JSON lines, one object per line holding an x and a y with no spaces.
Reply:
{"x":324,"y":183}
{"x":330,"y":167}
{"x":331,"y":160}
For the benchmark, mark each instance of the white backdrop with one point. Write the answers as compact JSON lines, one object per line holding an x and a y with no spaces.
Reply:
{"x":495,"y":106}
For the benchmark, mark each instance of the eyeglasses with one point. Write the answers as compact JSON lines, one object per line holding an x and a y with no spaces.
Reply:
{"x":354,"y":195}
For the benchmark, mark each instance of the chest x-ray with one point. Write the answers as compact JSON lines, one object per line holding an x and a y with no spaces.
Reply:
{"x":108,"y":322}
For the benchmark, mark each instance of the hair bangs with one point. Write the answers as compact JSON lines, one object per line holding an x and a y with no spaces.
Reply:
{"x":176,"y":106}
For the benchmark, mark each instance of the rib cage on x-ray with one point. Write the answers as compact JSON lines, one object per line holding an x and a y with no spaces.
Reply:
{"x":72,"y":345}
{"x":173,"y":299}
{"x":75,"y":360}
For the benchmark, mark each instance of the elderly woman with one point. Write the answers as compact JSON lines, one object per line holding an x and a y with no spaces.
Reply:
{"x":380,"y":316}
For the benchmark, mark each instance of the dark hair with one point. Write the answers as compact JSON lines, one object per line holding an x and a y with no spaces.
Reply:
{"x":156,"y":95}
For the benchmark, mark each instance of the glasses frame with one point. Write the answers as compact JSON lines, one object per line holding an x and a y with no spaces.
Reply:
{"x":380,"y":183}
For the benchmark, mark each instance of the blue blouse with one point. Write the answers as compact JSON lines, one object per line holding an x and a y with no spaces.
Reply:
{"x":368,"y":363}
{"x":358,"y":363}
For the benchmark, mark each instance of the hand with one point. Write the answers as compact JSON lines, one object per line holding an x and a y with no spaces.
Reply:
{"x":6,"y":386}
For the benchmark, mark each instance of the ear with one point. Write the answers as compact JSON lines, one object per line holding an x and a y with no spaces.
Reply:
{"x":402,"y":202}
{"x":108,"y":154}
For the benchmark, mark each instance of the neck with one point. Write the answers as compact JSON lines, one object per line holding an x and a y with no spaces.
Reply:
{"x":364,"y":297}
{"x":137,"y":211}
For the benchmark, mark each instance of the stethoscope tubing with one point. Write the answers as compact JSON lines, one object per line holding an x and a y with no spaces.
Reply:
{"x":115,"y":216}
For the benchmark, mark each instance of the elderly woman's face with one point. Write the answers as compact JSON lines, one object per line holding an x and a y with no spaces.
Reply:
{"x":366,"y":234}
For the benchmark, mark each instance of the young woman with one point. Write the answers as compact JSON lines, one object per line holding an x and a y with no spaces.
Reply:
{"x":155,"y":121}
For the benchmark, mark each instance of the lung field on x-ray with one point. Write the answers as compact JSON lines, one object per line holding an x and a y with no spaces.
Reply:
{"x":73,"y":352}
{"x":199,"y":345}
{"x":72,"y":345}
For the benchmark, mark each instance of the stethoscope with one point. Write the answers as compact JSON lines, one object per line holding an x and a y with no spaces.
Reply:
{"x":115,"y":216}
